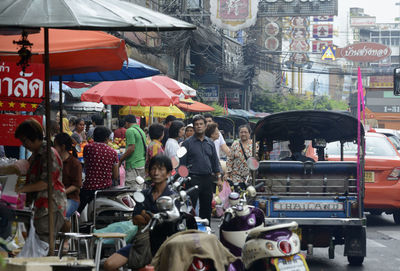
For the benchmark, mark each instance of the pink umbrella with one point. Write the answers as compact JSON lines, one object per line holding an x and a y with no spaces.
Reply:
{"x":131,"y":92}
{"x":173,"y":85}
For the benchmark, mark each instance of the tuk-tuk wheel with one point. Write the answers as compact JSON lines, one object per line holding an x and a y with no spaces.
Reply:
{"x":396,"y":217}
{"x":355,"y":260}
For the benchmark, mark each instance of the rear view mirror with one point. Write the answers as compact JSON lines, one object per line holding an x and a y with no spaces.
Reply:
{"x":396,"y":81}
{"x":138,"y":197}
{"x":181,"y":152}
{"x":253,"y":163}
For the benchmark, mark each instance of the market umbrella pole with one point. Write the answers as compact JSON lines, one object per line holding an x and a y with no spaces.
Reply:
{"x":48,"y":140}
{"x":60,"y":102}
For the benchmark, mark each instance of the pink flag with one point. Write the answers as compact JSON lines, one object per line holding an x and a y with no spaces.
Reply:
{"x":360,"y":106}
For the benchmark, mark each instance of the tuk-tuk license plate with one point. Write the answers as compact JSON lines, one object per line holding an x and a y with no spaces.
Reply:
{"x":369,"y":177}
{"x":292,"y":263}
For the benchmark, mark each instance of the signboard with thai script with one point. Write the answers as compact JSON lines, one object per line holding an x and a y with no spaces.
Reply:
{"x":209,"y":93}
{"x":284,"y":8}
{"x":234,"y":15}
{"x":317,"y":45}
{"x":322,"y":31}
{"x":364,"y":52}
{"x":381,"y":82}
{"x":362,"y":21}
{"x":18,"y":86}
{"x":8,"y":125}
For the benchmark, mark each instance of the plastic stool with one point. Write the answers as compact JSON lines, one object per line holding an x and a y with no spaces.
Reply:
{"x":119,"y":240}
{"x":75,"y":236}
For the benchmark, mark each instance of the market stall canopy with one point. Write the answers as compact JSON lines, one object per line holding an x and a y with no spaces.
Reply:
{"x":86,"y":14}
{"x":71,"y":51}
{"x":158,"y":111}
{"x":174,"y":86}
{"x":132,"y":69}
{"x":190,"y":105}
{"x":131,"y":92}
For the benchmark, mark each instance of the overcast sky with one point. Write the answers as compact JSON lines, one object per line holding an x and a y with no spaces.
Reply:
{"x":384,"y":10}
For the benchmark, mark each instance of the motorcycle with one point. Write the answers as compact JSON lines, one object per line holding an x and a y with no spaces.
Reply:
{"x":238,"y":220}
{"x":273,"y":248}
{"x":108,"y":206}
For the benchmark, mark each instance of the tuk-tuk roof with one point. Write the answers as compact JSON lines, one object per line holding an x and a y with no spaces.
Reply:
{"x":308,"y":124}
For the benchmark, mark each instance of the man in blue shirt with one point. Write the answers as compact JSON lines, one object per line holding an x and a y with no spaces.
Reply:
{"x":203,"y":163}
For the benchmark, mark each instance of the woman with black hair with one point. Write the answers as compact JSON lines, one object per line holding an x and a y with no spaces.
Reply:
{"x":101,"y":165}
{"x":176,"y":131}
{"x":80,"y":130}
{"x":72,"y":171}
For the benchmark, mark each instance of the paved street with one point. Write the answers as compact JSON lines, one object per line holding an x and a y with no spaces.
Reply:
{"x":383,"y":245}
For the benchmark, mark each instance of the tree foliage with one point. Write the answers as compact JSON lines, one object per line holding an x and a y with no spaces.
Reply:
{"x":266,"y":102}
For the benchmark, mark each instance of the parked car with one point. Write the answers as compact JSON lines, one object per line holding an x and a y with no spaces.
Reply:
{"x":382,"y":172}
{"x":393,"y":135}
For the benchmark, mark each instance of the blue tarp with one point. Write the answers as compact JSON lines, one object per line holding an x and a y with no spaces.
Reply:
{"x":133,"y":70}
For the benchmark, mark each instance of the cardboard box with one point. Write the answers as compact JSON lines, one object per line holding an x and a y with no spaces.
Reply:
{"x":41,"y":264}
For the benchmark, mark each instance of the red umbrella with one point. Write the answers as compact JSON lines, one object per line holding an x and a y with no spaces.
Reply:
{"x":173,"y":85}
{"x":131,"y":92}
{"x":190,"y":105}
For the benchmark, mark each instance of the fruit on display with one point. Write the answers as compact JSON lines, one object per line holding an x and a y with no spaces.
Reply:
{"x":120,"y":142}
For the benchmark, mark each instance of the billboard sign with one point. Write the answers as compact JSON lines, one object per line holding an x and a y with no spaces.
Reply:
{"x":208,"y":93}
{"x":317,"y":45}
{"x":365,"y":52}
{"x":233,"y":15}
{"x":288,"y":8}
{"x":18,"y":86}
{"x":8,"y":125}
{"x":323,"y":18}
{"x":362,"y":21}
{"x":322,"y":31}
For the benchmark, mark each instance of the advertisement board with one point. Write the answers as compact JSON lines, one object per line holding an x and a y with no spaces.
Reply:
{"x":287,"y":8}
{"x":365,"y":52}
{"x":8,"y":125}
{"x":18,"y":86}
{"x":362,"y":21}
{"x":209,"y":93}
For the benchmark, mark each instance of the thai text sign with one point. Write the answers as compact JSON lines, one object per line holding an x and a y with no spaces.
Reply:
{"x":8,"y":125}
{"x":208,"y":93}
{"x":16,"y":85}
{"x":365,"y":52}
{"x":287,"y":8}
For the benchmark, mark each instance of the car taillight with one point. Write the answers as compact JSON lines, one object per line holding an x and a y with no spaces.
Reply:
{"x":285,"y":247}
{"x":394,"y":175}
{"x":128,"y":201}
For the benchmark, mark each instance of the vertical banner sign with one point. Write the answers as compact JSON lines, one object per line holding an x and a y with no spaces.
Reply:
{"x":233,"y":15}
{"x":8,"y":125}
{"x":18,"y":86}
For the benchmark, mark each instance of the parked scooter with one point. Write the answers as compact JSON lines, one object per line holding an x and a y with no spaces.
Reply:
{"x":108,"y":206}
{"x":273,"y":248}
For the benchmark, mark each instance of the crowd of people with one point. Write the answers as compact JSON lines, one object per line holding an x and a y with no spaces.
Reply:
{"x":101,"y":163}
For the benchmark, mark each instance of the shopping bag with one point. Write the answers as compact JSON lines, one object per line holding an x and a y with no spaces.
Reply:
{"x":224,"y":194}
{"x":34,"y":247}
{"x":121,"y":176}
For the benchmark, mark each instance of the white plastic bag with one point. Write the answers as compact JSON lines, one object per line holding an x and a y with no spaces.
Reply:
{"x":34,"y":247}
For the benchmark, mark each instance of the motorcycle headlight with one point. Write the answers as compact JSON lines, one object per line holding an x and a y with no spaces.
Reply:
{"x":164,"y":203}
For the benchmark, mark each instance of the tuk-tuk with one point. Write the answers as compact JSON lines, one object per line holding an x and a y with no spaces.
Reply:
{"x":324,"y":197}
{"x":230,"y":125}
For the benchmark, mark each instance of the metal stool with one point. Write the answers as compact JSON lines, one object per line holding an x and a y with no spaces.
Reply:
{"x":119,"y":240}
{"x":74,"y":236}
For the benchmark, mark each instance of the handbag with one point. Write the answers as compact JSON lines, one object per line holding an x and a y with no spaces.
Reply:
{"x":140,"y":252}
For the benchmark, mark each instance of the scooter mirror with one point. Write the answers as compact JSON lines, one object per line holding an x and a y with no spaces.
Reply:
{"x":253,"y":163}
{"x":183,"y":171}
{"x":181,"y":152}
{"x":175,"y":161}
{"x":164,"y":203}
{"x":139,"y":180}
{"x":138,"y":197}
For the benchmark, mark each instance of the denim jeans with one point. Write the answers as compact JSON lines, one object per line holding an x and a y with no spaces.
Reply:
{"x":72,"y":206}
